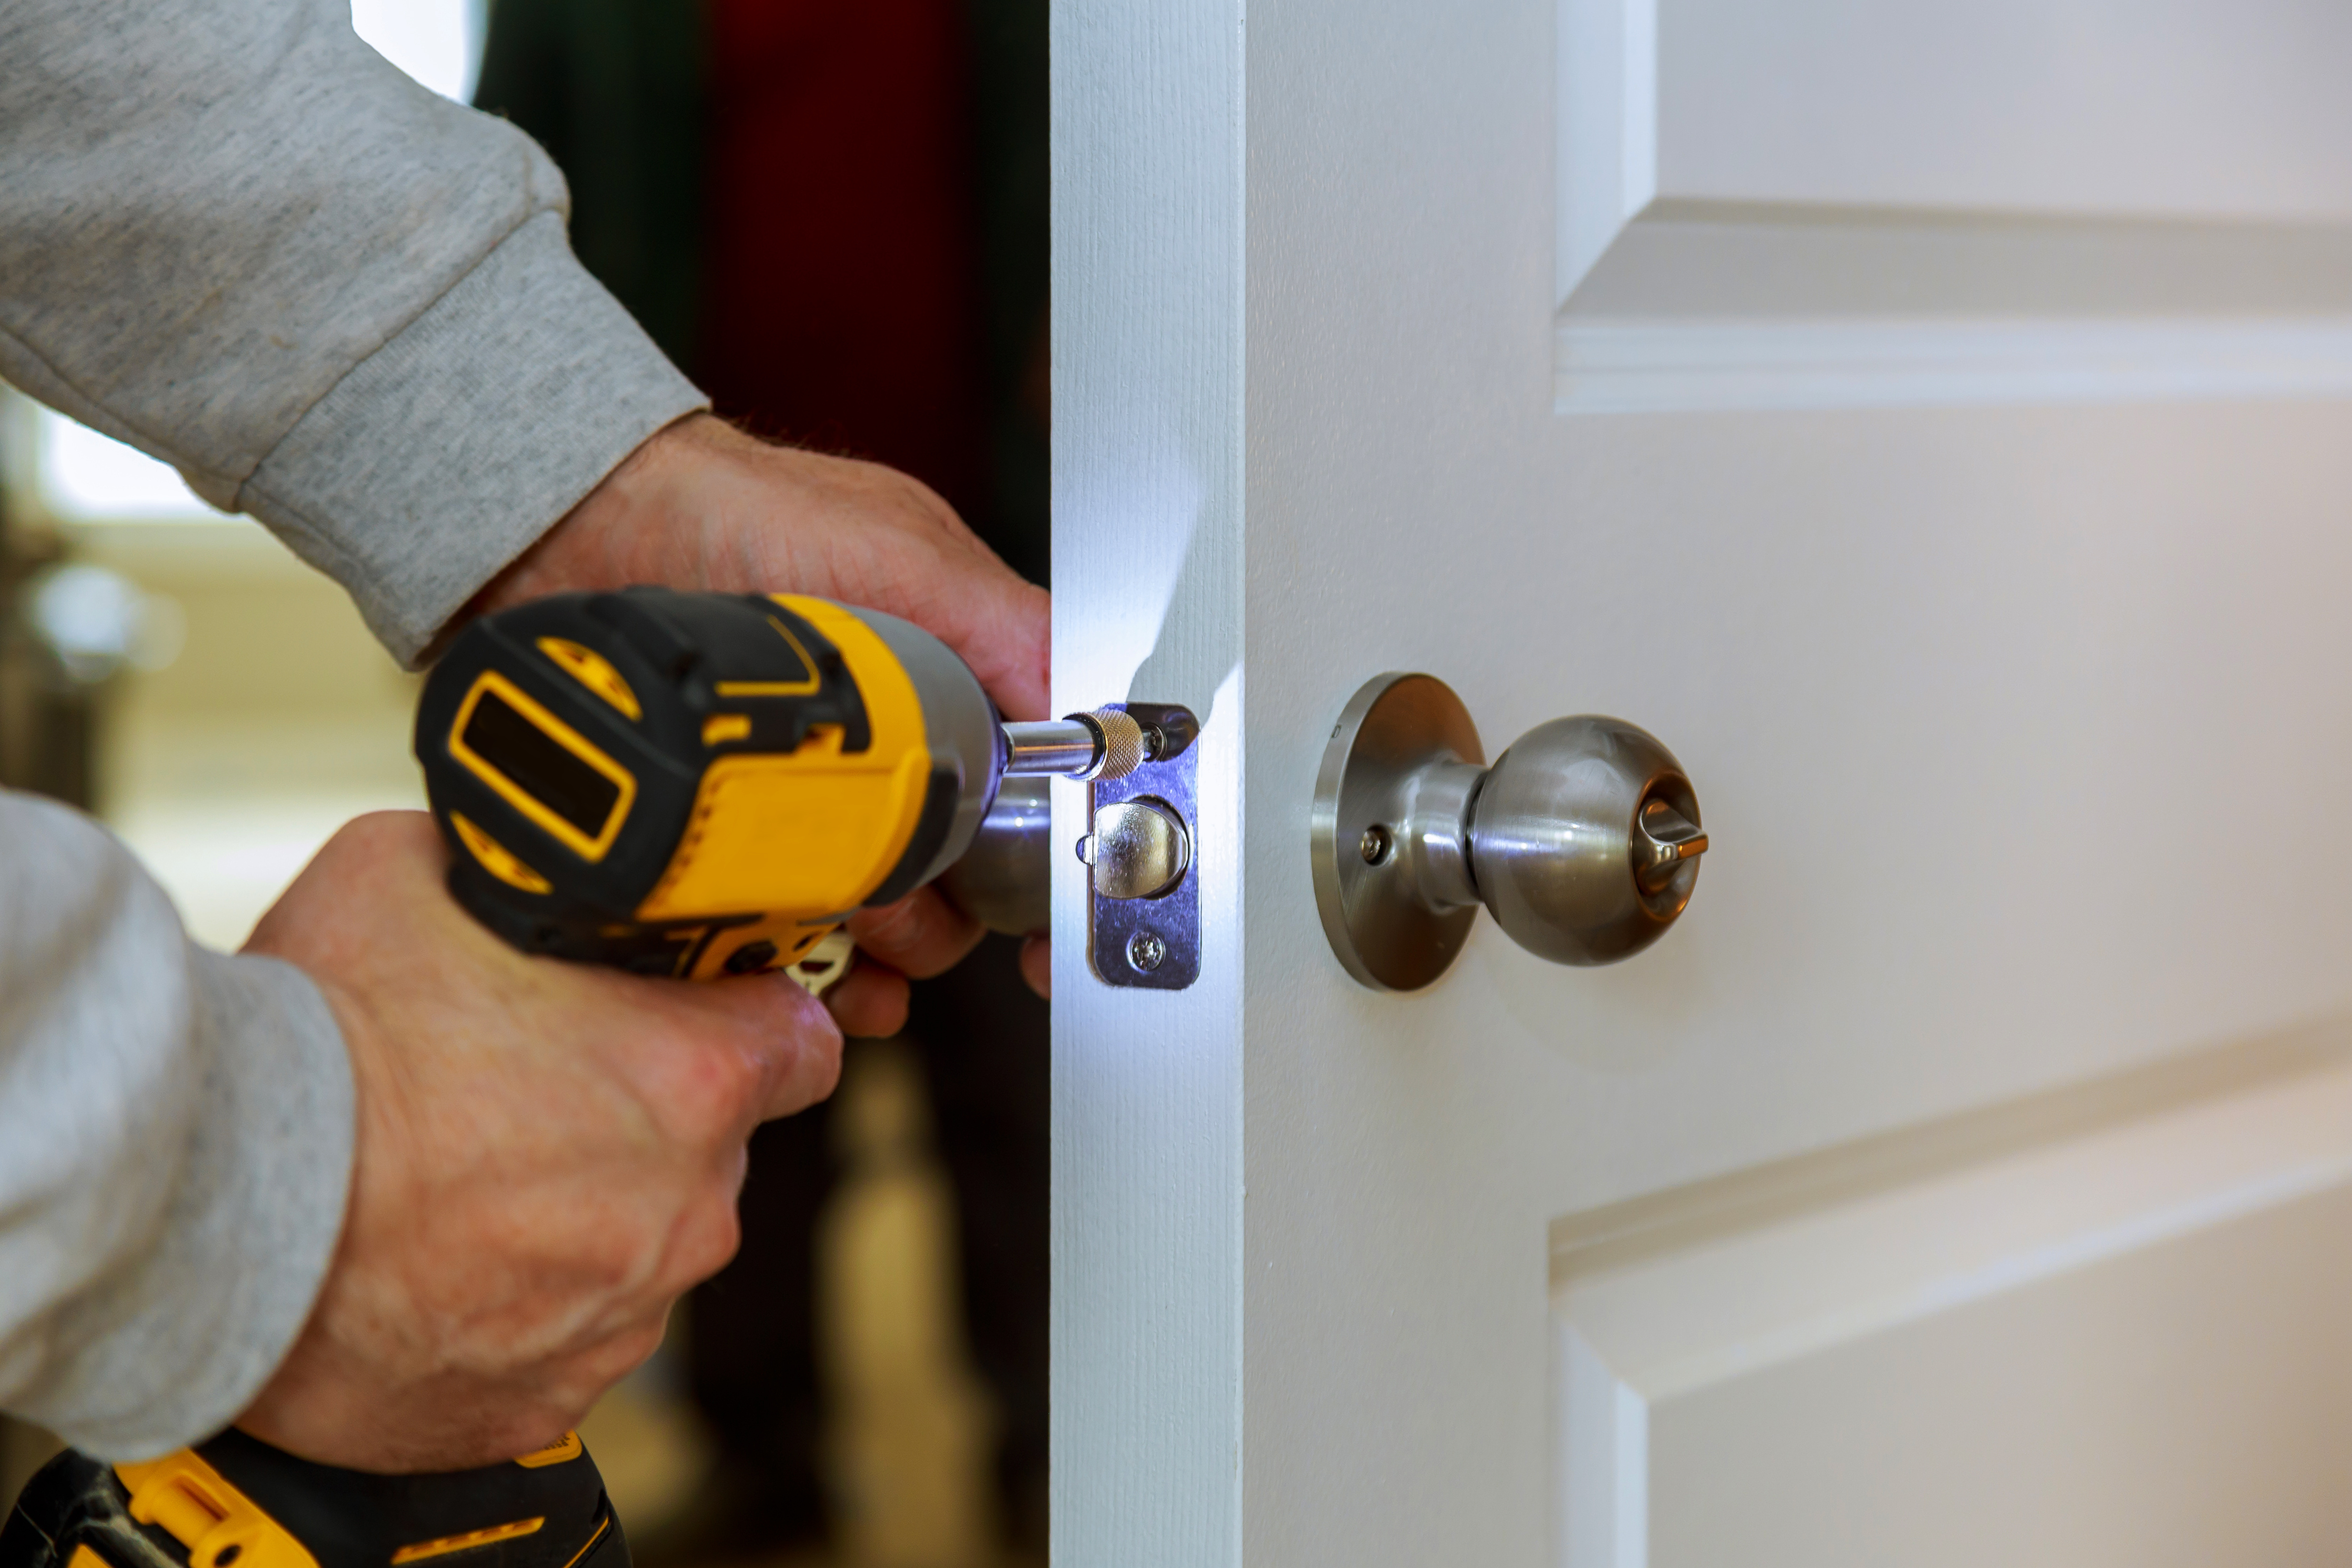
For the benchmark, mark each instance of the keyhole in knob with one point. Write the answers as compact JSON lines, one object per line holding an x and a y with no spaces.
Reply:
{"x":1664,"y":842}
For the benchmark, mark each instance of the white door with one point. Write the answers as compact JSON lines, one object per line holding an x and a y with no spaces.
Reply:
{"x":1933,"y":420}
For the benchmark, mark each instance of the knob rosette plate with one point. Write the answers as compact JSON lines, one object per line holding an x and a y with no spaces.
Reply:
{"x":1395,"y":733}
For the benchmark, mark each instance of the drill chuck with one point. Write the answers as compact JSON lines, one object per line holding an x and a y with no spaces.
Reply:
{"x":1104,"y":744}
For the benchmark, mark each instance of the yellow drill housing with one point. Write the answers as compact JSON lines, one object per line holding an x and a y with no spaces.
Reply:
{"x":698,"y":784}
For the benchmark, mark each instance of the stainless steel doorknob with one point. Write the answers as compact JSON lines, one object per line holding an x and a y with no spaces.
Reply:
{"x":1582,"y":839}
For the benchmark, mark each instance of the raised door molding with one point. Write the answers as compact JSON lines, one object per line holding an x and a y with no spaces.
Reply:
{"x":1786,"y":1342}
{"x":1837,"y":204}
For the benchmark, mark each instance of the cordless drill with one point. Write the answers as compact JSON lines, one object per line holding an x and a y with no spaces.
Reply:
{"x":690,"y":785}
{"x":706,"y":784}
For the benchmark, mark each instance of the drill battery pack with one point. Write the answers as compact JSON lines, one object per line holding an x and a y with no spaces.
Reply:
{"x":238,"y":1503}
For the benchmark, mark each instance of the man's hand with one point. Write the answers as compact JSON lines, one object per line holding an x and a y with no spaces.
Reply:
{"x":702,"y":505}
{"x":547,"y":1155}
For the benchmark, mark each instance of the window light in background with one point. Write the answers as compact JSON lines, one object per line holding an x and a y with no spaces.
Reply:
{"x":439,"y":42}
{"x":83,"y":477}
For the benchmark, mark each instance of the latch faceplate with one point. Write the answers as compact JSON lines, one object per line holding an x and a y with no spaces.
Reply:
{"x":1143,"y":851}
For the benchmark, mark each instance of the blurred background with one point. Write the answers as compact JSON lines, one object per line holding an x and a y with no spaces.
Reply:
{"x":834,"y":219}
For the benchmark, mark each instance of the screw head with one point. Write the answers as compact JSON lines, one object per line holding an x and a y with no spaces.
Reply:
{"x":1376,"y":844}
{"x":1146,"y":951}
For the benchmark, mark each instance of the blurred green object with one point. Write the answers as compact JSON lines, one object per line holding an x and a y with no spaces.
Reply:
{"x":614,"y":90}
{"x":1013,"y":183}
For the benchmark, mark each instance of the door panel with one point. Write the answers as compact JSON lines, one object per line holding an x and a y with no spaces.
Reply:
{"x":1819,"y":202}
{"x":2016,"y":718}
{"x":2186,"y":1404}
{"x":2010,"y":1333}
{"x":2125,"y":109}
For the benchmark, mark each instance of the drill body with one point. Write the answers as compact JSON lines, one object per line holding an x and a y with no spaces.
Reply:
{"x":698,"y":784}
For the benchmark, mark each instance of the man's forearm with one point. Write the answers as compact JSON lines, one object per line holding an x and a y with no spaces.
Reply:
{"x":234,"y":236}
{"x":175,"y":1142}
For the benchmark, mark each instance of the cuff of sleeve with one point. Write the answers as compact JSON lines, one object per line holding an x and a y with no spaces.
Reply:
{"x":252,"y":1224}
{"x":449,"y":450}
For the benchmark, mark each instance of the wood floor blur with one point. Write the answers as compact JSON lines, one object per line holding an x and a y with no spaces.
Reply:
{"x":906,"y":1450}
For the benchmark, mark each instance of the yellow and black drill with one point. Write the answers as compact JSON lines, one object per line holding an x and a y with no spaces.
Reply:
{"x":706,"y":784}
{"x":692,"y":785}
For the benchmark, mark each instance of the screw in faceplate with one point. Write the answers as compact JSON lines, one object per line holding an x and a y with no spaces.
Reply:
{"x":1375,"y":845}
{"x":1146,"y":951}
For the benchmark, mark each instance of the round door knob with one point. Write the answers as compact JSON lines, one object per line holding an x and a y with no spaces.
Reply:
{"x":1583,"y":839}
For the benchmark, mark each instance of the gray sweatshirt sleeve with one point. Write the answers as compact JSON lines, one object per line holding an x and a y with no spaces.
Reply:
{"x":233,"y":235}
{"x":175,"y":1135}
